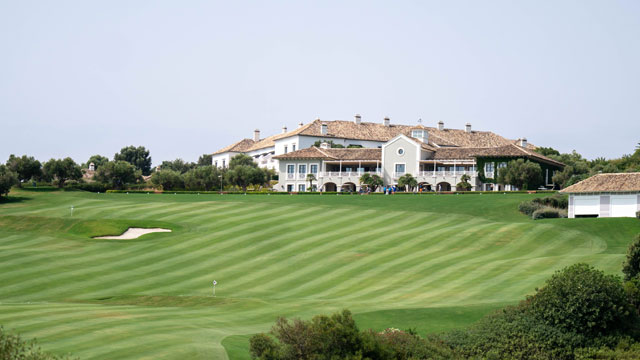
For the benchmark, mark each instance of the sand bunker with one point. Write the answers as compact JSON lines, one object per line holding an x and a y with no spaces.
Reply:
{"x":133,"y":233}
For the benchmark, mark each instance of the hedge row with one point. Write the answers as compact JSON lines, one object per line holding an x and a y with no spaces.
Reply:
{"x":319,"y":193}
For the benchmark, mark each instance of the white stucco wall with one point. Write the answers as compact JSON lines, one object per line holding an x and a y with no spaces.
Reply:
{"x":226,"y":157}
{"x":604,"y":205}
{"x":298,"y":178}
{"x":391,"y":157}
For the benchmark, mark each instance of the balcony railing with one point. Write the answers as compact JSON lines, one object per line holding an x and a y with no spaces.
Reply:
{"x":348,"y":173}
{"x":291,"y":176}
{"x":447,"y":173}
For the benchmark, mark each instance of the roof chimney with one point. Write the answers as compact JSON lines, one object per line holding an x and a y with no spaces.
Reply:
{"x":357,"y":119}
{"x":301,"y":124}
{"x":324,"y":145}
{"x":386,"y":121}
{"x":284,"y":129}
{"x":256,"y":135}
{"x":440,"y":125}
{"x":467,"y":128}
{"x":523,"y":142}
{"x":324,"y":130}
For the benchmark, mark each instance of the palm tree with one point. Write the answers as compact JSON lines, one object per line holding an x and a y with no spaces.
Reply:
{"x":464,"y":184}
{"x":408,"y":181}
{"x":365,"y":179}
{"x":376,"y":181}
{"x":311,"y":178}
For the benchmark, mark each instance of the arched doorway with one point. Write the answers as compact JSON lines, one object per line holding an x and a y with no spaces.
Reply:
{"x":331,"y":187}
{"x":424,"y":187}
{"x":443,"y":186}
{"x":348,"y":187}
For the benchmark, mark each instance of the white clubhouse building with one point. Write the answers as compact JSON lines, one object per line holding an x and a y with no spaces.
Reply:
{"x":605,"y":195}
{"x":436,"y":157}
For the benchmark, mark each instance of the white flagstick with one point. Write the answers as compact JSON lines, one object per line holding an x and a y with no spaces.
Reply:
{"x":214,"y":288}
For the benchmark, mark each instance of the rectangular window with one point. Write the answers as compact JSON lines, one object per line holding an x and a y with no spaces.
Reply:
{"x":290,"y":188}
{"x":300,"y":188}
{"x":216,"y":163}
{"x":488,"y":167}
{"x":400,"y":168}
{"x":314,"y":169}
{"x":502,"y":165}
{"x":293,"y":147}
{"x":223,"y":163}
{"x":302,"y":169}
{"x":291,"y":169}
{"x":285,"y":149}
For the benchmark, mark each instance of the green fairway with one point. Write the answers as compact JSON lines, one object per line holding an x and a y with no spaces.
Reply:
{"x":427,"y":262}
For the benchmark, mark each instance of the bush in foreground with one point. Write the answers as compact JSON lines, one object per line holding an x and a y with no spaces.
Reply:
{"x":338,"y":337}
{"x":580,"y":312}
{"x":548,"y":213}
{"x":12,"y":347}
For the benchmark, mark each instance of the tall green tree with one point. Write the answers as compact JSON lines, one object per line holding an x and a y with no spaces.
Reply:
{"x":522,"y":174}
{"x":25,"y":167}
{"x":241,"y":159}
{"x":245,"y":175}
{"x":118,"y":174}
{"x":243,"y":171}
{"x":136,"y":156}
{"x":97,"y":160}
{"x":205,"y":160}
{"x":203,"y":178}
{"x":168,"y":179}
{"x":408,"y":182}
{"x":8,"y":178}
{"x":62,"y":170}
{"x":178,"y":165}
{"x":631,"y":266}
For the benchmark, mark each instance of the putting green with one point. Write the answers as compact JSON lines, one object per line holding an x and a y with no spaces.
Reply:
{"x":429,"y":262}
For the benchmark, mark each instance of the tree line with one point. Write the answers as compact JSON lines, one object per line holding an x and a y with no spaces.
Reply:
{"x":131,"y":167}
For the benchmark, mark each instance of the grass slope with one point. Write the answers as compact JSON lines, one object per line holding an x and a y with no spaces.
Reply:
{"x":428,"y":262}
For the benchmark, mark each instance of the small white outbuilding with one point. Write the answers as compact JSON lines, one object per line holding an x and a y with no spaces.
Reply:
{"x":605,"y":195}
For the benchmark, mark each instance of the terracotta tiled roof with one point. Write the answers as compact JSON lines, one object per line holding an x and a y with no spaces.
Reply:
{"x":333,"y":154}
{"x":342,"y":129}
{"x":510,"y":150}
{"x":379,"y":132}
{"x":240,"y":146}
{"x":617,"y":182}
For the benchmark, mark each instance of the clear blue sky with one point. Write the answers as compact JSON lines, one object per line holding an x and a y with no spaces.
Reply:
{"x":185,"y":78}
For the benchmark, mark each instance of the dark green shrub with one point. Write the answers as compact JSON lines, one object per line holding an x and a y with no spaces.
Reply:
{"x":88,"y":186}
{"x":625,"y":350}
{"x":548,"y":213}
{"x":13,"y":347}
{"x":528,"y":207}
{"x":555,"y":201}
{"x":585,"y":301}
{"x":337,"y":337}
{"x":262,"y":346}
{"x":404,"y":345}
{"x":637,"y":214}
{"x":631,"y":266}
{"x":512,"y":333}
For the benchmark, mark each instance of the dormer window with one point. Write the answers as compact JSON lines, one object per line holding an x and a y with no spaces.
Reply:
{"x":417,"y":133}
